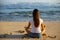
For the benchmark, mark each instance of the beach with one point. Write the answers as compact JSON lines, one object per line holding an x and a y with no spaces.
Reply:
{"x":52,"y":28}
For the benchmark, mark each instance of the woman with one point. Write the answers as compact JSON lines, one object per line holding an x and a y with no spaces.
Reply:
{"x":37,"y":26}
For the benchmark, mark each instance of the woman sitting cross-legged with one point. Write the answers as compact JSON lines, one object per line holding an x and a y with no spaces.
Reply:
{"x":36,"y":24}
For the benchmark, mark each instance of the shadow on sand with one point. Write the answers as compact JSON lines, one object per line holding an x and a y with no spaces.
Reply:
{"x":13,"y":36}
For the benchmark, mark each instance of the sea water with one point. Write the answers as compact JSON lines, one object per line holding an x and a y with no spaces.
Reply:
{"x":23,"y":12}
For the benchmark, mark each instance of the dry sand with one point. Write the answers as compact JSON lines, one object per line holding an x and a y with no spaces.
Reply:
{"x":52,"y":28}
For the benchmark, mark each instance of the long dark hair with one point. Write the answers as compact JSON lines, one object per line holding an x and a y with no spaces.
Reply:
{"x":36,"y":17}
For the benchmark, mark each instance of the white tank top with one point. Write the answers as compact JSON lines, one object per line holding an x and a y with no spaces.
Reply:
{"x":35,"y":29}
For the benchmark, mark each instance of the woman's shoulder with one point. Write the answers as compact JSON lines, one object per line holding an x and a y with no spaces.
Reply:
{"x":41,"y":20}
{"x":31,"y":20}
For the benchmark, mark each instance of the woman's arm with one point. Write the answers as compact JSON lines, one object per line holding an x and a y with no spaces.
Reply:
{"x":43,"y":28}
{"x":28,"y":28}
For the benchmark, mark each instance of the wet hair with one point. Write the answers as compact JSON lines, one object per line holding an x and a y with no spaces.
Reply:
{"x":36,"y":17}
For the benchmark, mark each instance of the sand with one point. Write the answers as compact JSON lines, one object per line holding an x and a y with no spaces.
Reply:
{"x":52,"y":28}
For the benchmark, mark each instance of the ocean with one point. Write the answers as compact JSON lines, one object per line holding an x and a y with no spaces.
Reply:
{"x":23,"y":12}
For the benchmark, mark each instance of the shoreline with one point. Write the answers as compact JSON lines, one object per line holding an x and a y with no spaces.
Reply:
{"x":28,"y":21}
